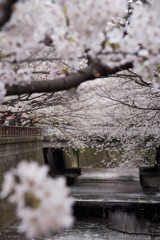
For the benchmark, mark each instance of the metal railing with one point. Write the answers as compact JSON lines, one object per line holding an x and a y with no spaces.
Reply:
{"x":15,"y":131}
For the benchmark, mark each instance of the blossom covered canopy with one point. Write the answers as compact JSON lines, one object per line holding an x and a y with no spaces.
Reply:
{"x":114,"y":33}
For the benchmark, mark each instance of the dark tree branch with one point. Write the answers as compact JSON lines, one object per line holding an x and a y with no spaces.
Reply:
{"x":133,"y":105}
{"x":6,"y":11}
{"x":40,"y":72}
{"x":134,"y":77}
{"x":94,"y":71}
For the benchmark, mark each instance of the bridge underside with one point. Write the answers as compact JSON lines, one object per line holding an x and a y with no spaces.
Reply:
{"x":149,"y":175}
{"x":58,"y":144}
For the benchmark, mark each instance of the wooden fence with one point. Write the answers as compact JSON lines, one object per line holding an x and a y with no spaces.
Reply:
{"x":14,"y":131}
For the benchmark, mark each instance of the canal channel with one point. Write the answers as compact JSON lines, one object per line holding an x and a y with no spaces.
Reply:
{"x":110,"y":204}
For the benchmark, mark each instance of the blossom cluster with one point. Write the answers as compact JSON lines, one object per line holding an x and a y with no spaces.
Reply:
{"x":65,"y":24}
{"x":43,"y":204}
{"x":26,"y":31}
{"x":89,"y":18}
{"x":29,"y":25}
{"x":10,"y":76}
{"x":77,"y":27}
{"x":145,"y":30}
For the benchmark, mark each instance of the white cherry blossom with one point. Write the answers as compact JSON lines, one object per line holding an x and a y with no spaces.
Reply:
{"x":43,"y":204}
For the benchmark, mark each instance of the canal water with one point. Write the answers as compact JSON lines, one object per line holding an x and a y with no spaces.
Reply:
{"x":134,"y":220}
{"x":117,"y":226}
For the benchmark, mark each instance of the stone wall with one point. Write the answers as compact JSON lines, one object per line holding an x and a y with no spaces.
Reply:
{"x":68,"y":157}
{"x":91,"y":157}
{"x":71,"y":157}
{"x":80,"y":158}
{"x":12,"y":151}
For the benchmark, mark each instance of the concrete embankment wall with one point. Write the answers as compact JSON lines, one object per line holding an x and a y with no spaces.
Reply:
{"x":111,"y":157}
{"x":71,"y":158}
{"x":89,"y":156}
{"x":68,"y":157}
{"x":12,"y":151}
{"x":92,"y":156}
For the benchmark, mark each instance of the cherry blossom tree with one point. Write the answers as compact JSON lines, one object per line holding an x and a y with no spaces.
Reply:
{"x":71,"y":53}
{"x":47,"y":47}
{"x":109,"y":42}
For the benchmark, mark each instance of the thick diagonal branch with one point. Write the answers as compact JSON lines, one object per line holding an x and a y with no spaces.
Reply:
{"x":91,"y":72}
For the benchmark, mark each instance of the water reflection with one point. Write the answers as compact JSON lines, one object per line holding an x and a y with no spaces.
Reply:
{"x":113,"y":227}
{"x":134,"y":224}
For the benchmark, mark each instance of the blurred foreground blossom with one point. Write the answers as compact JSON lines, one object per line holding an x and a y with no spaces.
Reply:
{"x":42,"y":203}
